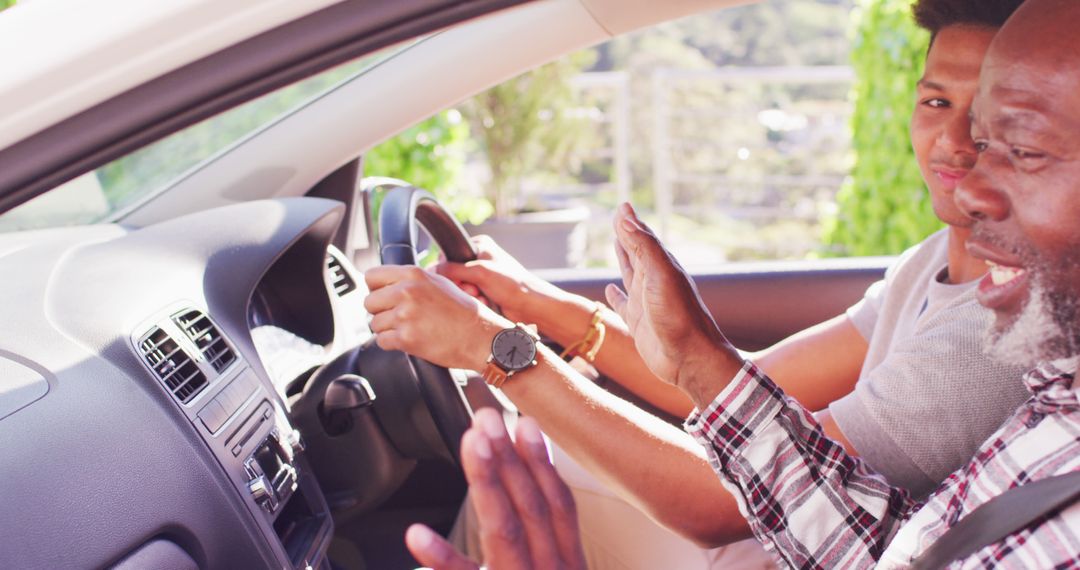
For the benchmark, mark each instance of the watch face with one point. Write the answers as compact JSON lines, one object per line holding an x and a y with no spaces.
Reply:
{"x":513,"y":349}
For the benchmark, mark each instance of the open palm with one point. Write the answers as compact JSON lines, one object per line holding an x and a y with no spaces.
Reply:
{"x":672,"y":329}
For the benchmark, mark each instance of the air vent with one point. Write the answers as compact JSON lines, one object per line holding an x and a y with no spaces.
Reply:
{"x":210,"y":342}
{"x":343,"y":283}
{"x":172,"y":365}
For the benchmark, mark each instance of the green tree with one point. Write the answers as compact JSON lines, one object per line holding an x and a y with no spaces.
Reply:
{"x":883,"y":207}
{"x":522,"y":126}
{"x":430,"y":155}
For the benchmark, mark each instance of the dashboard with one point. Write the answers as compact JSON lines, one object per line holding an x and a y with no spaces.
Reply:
{"x":146,"y":384}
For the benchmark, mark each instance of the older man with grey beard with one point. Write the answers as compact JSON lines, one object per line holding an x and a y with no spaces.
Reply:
{"x":810,"y":503}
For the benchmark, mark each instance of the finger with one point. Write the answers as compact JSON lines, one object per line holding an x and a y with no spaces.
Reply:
{"x":644,"y":249}
{"x":502,"y":532}
{"x":452,"y":272}
{"x":471,"y":290}
{"x":533,"y":450}
{"x":464,"y":272}
{"x":640,"y":224}
{"x":638,"y":241}
{"x":389,"y":340}
{"x":521,"y":487}
{"x":441,"y":267}
{"x":626,"y":229}
{"x":433,"y":551}
{"x":632,"y":282}
{"x":383,"y":275}
{"x":381,"y":300}
{"x":384,"y":321}
{"x":626,"y":268}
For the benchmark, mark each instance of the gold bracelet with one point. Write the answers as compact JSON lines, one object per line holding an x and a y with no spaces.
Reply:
{"x":589,"y":345}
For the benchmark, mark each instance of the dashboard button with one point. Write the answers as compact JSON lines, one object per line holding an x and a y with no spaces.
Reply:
{"x":263,"y":493}
{"x":228,"y":399}
{"x":213,"y":416}
{"x":243,"y":387}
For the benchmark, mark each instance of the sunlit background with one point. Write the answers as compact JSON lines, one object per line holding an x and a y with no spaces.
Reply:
{"x":771,"y":131}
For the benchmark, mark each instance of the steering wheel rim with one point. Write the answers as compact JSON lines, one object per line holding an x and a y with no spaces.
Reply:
{"x":404,"y":210}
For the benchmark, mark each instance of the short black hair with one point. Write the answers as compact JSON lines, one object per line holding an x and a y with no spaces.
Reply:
{"x":934,"y":15}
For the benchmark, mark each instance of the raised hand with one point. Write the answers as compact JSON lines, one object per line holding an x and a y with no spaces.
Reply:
{"x":672,"y":329}
{"x":526,"y":513}
{"x":427,"y":316}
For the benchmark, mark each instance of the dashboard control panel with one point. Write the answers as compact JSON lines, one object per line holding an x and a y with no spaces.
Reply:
{"x":272,"y":477}
{"x":243,"y":422}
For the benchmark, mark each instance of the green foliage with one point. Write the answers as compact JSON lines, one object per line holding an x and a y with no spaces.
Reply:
{"x":522,"y":125}
{"x":6,"y":3}
{"x":884,"y":207}
{"x":427,"y":155}
{"x":430,"y":155}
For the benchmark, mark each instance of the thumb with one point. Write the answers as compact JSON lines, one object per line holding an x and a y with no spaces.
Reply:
{"x":616,"y":299}
{"x":434,"y":551}
{"x":461,"y":272}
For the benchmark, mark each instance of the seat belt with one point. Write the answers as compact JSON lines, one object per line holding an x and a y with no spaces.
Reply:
{"x":999,"y":517}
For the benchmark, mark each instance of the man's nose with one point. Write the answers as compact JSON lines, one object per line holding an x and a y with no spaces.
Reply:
{"x":978,"y":196}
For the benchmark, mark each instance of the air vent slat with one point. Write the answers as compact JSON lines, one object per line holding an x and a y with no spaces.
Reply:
{"x":186,"y":383}
{"x":212,"y":345}
{"x":173,"y":371}
{"x":342,"y":283}
{"x":198,"y":333}
{"x":172,"y":365}
{"x":168,"y":355}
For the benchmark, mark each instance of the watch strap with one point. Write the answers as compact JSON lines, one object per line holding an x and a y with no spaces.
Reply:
{"x":493,"y":374}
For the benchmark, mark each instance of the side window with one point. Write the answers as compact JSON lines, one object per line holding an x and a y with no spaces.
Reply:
{"x":730,"y":132}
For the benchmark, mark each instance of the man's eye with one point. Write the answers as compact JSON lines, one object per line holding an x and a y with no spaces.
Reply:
{"x":937,"y":103}
{"x":1025,"y":154}
{"x":981,"y":146}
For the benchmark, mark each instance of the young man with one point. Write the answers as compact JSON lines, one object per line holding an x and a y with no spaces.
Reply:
{"x":808,"y":501}
{"x":922,"y":325}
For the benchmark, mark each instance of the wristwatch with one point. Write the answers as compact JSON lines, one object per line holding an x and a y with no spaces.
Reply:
{"x":512,"y":350}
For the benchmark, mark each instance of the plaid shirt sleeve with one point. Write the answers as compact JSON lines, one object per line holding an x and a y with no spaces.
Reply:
{"x":808,"y":501}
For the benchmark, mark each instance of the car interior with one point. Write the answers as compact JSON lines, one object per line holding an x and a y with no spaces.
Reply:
{"x":190,"y":382}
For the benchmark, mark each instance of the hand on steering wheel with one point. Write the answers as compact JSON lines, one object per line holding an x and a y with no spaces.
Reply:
{"x":425,"y":394}
{"x":366,"y":442}
{"x":496,"y":278}
{"x":427,"y":316}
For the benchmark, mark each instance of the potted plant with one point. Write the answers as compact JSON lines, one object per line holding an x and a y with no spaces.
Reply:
{"x":521,"y":127}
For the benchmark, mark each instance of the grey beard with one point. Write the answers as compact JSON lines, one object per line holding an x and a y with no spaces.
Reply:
{"x":1036,"y":336}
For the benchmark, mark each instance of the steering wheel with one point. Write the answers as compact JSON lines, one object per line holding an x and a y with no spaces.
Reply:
{"x":405,"y":209}
{"x":369,"y":415}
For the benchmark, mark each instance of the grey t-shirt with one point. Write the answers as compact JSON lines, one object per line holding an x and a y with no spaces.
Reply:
{"x":927,"y":396}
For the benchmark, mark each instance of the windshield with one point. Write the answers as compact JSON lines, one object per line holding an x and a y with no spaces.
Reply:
{"x":103,"y":194}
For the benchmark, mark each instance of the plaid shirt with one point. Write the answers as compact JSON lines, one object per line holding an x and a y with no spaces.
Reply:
{"x":814,"y":506}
